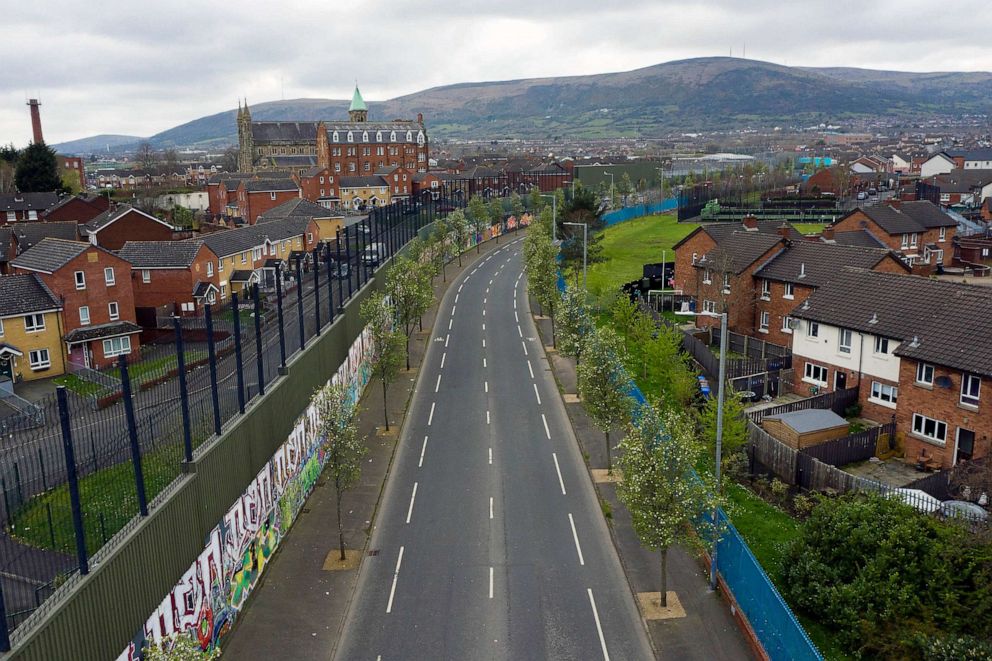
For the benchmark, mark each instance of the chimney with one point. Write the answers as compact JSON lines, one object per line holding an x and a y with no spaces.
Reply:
{"x":750,"y":223}
{"x":785,"y":230}
{"x":36,"y":120}
{"x":894,"y":202}
{"x":420,"y":118}
{"x":828,"y":233}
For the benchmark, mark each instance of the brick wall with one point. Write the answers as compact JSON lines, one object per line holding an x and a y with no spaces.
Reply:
{"x":132,"y":226}
{"x":698,"y":244}
{"x":256,"y":204}
{"x":777,"y":307}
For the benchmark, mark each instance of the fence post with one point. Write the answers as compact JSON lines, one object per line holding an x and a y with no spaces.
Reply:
{"x":316,"y":289}
{"x":41,"y":466}
{"x":183,"y":390}
{"x":337,"y":252}
{"x":299,"y":301}
{"x":212,"y":359}
{"x":73,"y":479}
{"x":4,"y":632}
{"x":258,"y":339}
{"x":330,"y":285}
{"x":347,"y":256}
{"x":132,"y":434}
{"x":282,"y":330}
{"x":236,"y":316}
{"x":361,"y":245}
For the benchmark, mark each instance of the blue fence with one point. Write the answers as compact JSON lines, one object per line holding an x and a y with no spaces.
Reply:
{"x":628,"y":213}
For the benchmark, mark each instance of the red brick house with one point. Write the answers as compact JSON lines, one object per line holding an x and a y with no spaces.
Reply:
{"x":116,"y":226}
{"x":94,"y":287}
{"x":318,"y":185}
{"x":19,"y":207}
{"x":222,"y":192}
{"x":171,"y":278}
{"x":427,"y":183}
{"x":916,"y":350}
{"x":399,"y":179}
{"x":919,"y":231}
{"x":256,"y":196}
{"x":79,"y":208}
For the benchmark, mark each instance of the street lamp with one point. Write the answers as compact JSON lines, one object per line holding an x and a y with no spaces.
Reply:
{"x":611,"y":186}
{"x":585,"y":246}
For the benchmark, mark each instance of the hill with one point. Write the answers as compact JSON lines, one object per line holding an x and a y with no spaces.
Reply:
{"x":96,"y":144}
{"x":701,"y":93}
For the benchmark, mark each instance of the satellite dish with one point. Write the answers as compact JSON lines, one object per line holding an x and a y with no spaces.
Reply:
{"x":943,"y":382}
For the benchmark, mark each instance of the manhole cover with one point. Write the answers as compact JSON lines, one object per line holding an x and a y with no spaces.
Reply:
{"x":373,"y":552}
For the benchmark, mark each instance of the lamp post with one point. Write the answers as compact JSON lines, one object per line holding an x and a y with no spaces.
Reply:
{"x":585,"y":246}
{"x":611,"y":186}
{"x":721,"y":385}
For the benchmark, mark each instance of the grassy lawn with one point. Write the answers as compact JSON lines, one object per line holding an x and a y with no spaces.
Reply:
{"x":81,"y":386}
{"x":147,"y":370}
{"x":629,"y":245}
{"x":809,"y":228}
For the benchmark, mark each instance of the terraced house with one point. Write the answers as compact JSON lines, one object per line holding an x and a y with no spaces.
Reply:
{"x":920,"y":232}
{"x":171,"y":278}
{"x":917,"y":350}
{"x":30,"y":331}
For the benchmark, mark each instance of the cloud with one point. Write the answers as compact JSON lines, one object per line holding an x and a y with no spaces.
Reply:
{"x":140,"y":68}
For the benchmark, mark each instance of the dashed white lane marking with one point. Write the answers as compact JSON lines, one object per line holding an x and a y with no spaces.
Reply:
{"x":536,"y":394}
{"x":484,"y":363}
{"x":456,"y":297}
{"x":423,"y":449}
{"x":487,"y":385}
{"x":487,"y":290}
{"x":519,"y":331}
{"x":491,"y":595}
{"x":599,"y":627}
{"x":413,"y":497}
{"x":575,"y":536}
{"x":453,"y":308}
{"x":485,"y":300}
{"x":524,"y":345}
{"x":446,"y":338}
{"x":483,"y":327}
{"x":487,"y":417}
{"x":443,"y":356}
{"x":483,"y":312}
{"x":450,"y":321}
{"x":561,"y":482}
{"x":490,"y":507}
{"x":514,"y":304}
{"x":468,"y":276}
{"x":396,"y":575}
{"x":460,"y":287}
{"x":490,"y":456}
{"x":530,"y":369}
{"x":437,"y":386}
{"x":547,"y":432}
{"x":516,"y":317}
{"x":490,"y":282}
{"x":430,"y":418}
{"x":483,"y":343}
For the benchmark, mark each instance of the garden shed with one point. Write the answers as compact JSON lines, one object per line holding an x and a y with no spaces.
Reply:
{"x":801,"y":429}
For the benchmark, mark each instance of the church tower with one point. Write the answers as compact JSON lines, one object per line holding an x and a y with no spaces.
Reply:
{"x":358,"y":112}
{"x":246,"y":141}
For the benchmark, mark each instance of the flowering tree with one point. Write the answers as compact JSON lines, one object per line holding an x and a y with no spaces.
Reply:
{"x":660,"y":488}
{"x":388,"y":345}
{"x":459,"y":231}
{"x":574,"y":324}
{"x":604,"y":384}
{"x":345,"y":448}
{"x":409,"y":288}
{"x":180,"y":646}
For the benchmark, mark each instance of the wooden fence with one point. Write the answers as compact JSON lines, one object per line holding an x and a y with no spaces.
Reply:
{"x":750,"y":347}
{"x":837,"y":401}
{"x":856,"y":447}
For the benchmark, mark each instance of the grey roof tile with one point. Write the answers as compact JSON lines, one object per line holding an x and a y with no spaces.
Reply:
{"x":24,"y":294}
{"x":738,"y":251}
{"x":49,"y":255}
{"x":160,"y":254}
{"x":814,"y":264}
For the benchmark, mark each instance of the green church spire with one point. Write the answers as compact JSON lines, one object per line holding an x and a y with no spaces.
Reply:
{"x":357,"y":102}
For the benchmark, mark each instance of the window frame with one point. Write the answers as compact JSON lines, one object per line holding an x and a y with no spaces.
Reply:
{"x":790,"y":291}
{"x":766,"y":290}
{"x":37,"y":366}
{"x":114,"y":310}
{"x":764,"y":321}
{"x":37,"y":327}
{"x":813,"y":329}
{"x":146,"y":276}
{"x":845,"y":348}
{"x":112,"y":279}
{"x":879,"y":340}
{"x":808,"y":377}
{"x":920,"y":429}
{"x":967,"y":379}
{"x":88,"y":319}
{"x":786,"y":324}
{"x":921,"y":373}
{"x":884,"y":394}
{"x":80,"y":279}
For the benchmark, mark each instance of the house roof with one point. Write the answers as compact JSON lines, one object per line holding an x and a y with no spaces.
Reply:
{"x":891,"y":220}
{"x":859,"y":238}
{"x":297,"y":207}
{"x":963,"y":181}
{"x":361,"y":182}
{"x":814,"y":264}
{"x":5,"y":234}
{"x":809,"y":420}
{"x":49,"y":255}
{"x":92,"y":210}
{"x":940,"y":322}
{"x":306,"y":132}
{"x":202,"y":288}
{"x":28,"y":234}
{"x":242,"y":239}
{"x":357,"y":102}
{"x":113,"y":215}
{"x":928,"y":214}
{"x":160,"y":254}
{"x":24,"y":294}
{"x":28,"y":201}
{"x":270,"y":185}
{"x":738,"y":251}
{"x":720,"y":231}
{"x":101,"y":331}
{"x":244,"y":275}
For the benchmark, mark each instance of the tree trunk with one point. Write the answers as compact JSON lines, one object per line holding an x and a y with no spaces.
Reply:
{"x":420,"y":324}
{"x":664,"y":577}
{"x":444,"y":276}
{"x":385,"y":409}
{"x":609,"y":461}
{"x":408,"y":352}
{"x":551,"y":313}
{"x":337,"y":487}
{"x":459,"y":258}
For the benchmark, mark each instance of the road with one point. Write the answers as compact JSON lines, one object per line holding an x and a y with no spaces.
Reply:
{"x":490,"y":542}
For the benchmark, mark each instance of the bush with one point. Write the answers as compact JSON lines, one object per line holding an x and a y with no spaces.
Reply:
{"x":779,"y":489}
{"x":735,"y":466}
{"x":879,"y":572}
{"x":852,"y":411}
{"x":955,"y":648}
{"x":803,"y":505}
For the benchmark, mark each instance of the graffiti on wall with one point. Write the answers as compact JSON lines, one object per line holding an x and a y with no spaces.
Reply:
{"x":208,"y":597}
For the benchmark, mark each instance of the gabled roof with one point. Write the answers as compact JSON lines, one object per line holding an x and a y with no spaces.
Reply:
{"x":306,"y":132}
{"x":28,"y":201}
{"x":858,"y":238}
{"x":940,"y":322}
{"x":963,"y":181}
{"x":49,"y":255}
{"x":242,"y":239}
{"x":738,"y":251}
{"x":160,"y":254}
{"x":297,"y":207}
{"x":813,"y":264}
{"x":270,"y":185}
{"x":928,"y":214}
{"x":361,"y":182}
{"x":720,"y":231}
{"x":101,"y":331}
{"x":24,"y":294}
{"x":28,"y":234}
{"x":111,"y":216}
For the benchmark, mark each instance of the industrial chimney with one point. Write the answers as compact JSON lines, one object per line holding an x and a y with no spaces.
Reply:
{"x":36,"y":120}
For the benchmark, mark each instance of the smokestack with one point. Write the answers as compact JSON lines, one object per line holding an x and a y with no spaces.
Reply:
{"x":36,"y":120}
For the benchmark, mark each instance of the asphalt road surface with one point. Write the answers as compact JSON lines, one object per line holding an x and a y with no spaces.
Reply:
{"x":490,"y":542}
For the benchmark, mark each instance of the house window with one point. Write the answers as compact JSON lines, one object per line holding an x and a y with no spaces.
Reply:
{"x":116,"y":346}
{"x":211,"y":297}
{"x":709,"y":307}
{"x":790,"y":291}
{"x":210,"y":269}
{"x":881,"y":345}
{"x":244,"y":258}
{"x":763,"y":327}
{"x":884,"y":393}
{"x":80,"y":280}
{"x":220,"y":265}
{"x":84,"y":315}
{"x":913,"y":238}
{"x":34,"y":323}
{"x":108,"y":277}
{"x":971,"y":387}
{"x":766,"y":289}
{"x":726,"y":283}
{"x":942,"y":234}
{"x":146,"y":276}
{"x":905,"y":241}
{"x":114,"y":310}
{"x":935,"y":430}
{"x":924,"y":373}
{"x":1,"y":327}
{"x":256,"y":254}
{"x":812,"y":329}
{"x":39,"y":359}
{"x":309,"y":237}
{"x":32,"y":215}
{"x":272,"y":196}
{"x":815,"y":373}
{"x":786,"y":324}
{"x":845,"y":336}
{"x":223,"y":291}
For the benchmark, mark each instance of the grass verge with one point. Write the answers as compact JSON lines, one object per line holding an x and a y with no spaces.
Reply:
{"x":629,"y":245}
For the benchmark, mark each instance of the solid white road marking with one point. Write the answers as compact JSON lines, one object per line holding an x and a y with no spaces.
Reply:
{"x":423,"y":449}
{"x":396,"y":575}
{"x":545,"y":420}
{"x":443,"y":356}
{"x":536,"y":394}
{"x":487,"y":417}
{"x":530,"y":369}
{"x":430,"y":418}
{"x":524,"y":346}
{"x":599,"y":627}
{"x":561,"y":482}
{"x":490,"y":507}
{"x":413,"y":497}
{"x":437,"y":385}
{"x":575,"y":536}
{"x":491,"y":587}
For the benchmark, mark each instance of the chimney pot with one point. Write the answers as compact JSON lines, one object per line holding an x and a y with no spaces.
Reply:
{"x":784,"y":230}
{"x":828,"y":233}
{"x":750,"y":223}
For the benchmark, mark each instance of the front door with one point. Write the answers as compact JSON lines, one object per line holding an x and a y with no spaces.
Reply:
{"x":840,"y":380}
{"x":966,"y":445}
{"x":6,"y":367}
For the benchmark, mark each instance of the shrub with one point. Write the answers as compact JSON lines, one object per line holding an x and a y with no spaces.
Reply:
{"x":955,"y":648}
{"x":779,"y":489}
{"x":803,"y":505}
{"x":735,"y":466}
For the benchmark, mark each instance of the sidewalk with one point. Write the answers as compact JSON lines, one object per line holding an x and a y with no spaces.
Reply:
{"x":298,"y":609}
{"x":709,"y":630}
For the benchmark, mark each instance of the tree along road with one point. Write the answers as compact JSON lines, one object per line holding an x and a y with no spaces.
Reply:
{"x":490,"y":542}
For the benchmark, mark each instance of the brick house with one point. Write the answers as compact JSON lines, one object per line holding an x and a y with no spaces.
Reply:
{"x":919,"y":231}
{"x":362,"y":192}
{"x":94,"y":288}
{"x":318,"y":185}
{"x":399,"y":180}
{"x":256,"y":196}
{"x":171,"y":278}
{"x":30,"y":331}
{"x":79,"y":208}
{"x":327,"y":223}
{"x":15,"y":239}
{"x":425,"y":183}
{"x":915,"y":349}
{"x":25,"y":206}
{"x":116,"y":226}
{"x":222,"y":192}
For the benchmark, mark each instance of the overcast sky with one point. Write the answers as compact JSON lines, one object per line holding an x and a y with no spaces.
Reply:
{"x":135,"y":67}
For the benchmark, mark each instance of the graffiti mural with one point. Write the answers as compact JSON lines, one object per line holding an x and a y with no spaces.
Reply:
{"x":208,"y":597}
